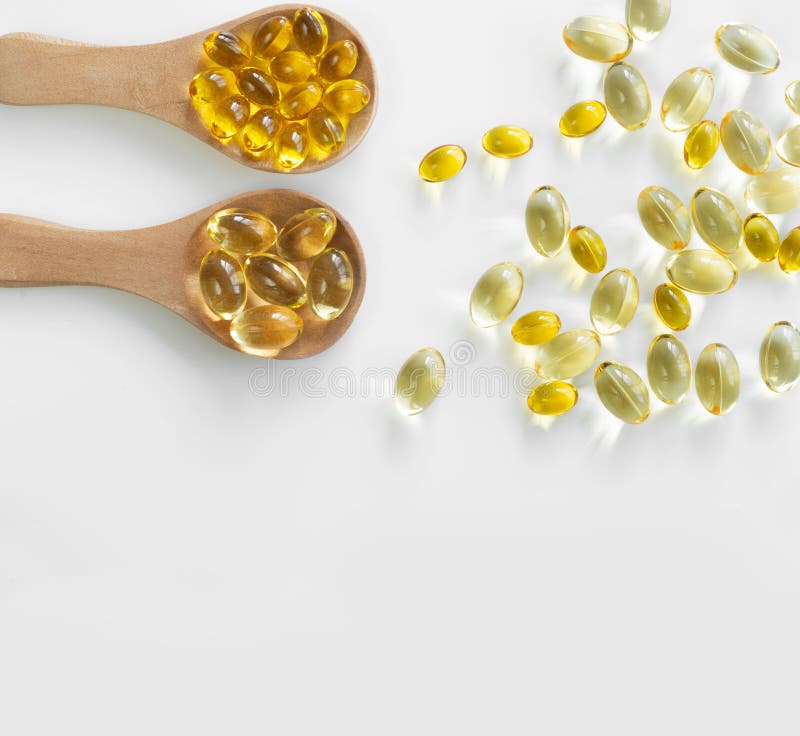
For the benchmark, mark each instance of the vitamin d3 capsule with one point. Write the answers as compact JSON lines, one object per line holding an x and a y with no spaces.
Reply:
{"x":701,"y":144}
{"x":687,"y":99}
{"x":330,"y":284}
{"x":442,"y":163}
{"x":267,"y":329}
{"x":775,"y":192}
{"x":291,"y":146}
{"x":622,"y":392}
{"x":496,"y":295}
{"x":788,"y":146}
{"x":227,"y":49}
{"x":582,"y":118}
{"x":665,"y":218}
{"x":222,"y":284}
{"x":272,"y":37}
{"x":419,"y":381}
{"x":614,"y":302}
{"x":258,"y":87}
{"x":717,"y":379}
{"x":598,"y":39}
{"x":746,"y":141}
{"x":761,"y":238}
{"x":717,"y":220}
{"x":310,"y":31}
{"x":507,"y":141}
{"x":780,"y":357}
{"x":306,"y":234}
{"x":243,"y":232}
{"x":789,"y":252}
{"x":588,"y":249}
{"x":299,"y":101}
{"x":647,"y":18}
{"x":627,"y":96}
{"x":568,"y":355}
{"x":276,"y":281}
{"x":793,"y":96}
{"x":669,"y":369}
{"x":553,"y":399}
{"x":702,"y":272}
{"x":339,"y":61}
{"x":325,"y":130}
{"x":547,"y":221}
{"x":672,"y":307}
{"x":261,"y":131}
{"x":747,"y":48}
{"x":536,"y":328}
{"x":226,"y":118}
{"x":292,"y":67}
{"x":347,"y":97}
{"x":212,"y":85}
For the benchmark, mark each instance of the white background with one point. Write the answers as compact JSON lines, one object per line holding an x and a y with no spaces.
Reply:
{"x":181,"y":554}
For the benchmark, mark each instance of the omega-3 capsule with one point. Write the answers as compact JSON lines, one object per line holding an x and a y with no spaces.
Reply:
{"x":330,"y":284}
{"x":268,"y":329}
{"x":789,"y":252}
{"x":702,"y":272}
{"x":793,"y":96}
{"x":222,"y":283}
{"x":761,"y":237}
{"x":306,"y":234}
{"x":242,"y":231}
{"x":536,"y":328}
{"x":614,"y":302}
{"x":647,"y":18}
{"x":568,"y":355}
{"x":788,"y":146}
{"x":669,"y":369}
{"x":553,"y":399}
{"x":665,"y":218}
{"x":442,"y":163}
{"x":776,"y":191}
{"x":276,"y":281}
{"x":496,"y":295}
{"x":598,"y":39}
{"x":588,"y":249}
{"x":702,"y":143}
{"x":622,"y":392}
{"x":547,"y":221}
{"x":507,"y":141}
{"x":717,"y":220}
{"x":687,"y":99}
{"x":717,"y":379}
{"x":780,"y":357}
{"x":419,"y":381}
{"x":672,"y":307}
{"x":582,"y":118}
{"x":746,"y":141}
{"x":747,"y":48}
{"x":627,"y":96}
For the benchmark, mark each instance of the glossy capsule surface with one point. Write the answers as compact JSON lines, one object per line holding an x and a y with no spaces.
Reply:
{"x":306,"y":234}
{"x":496,"y":295}
{"x":222,"y":283}
{"x":553,"y":399}
{"x":588,"y":249}
{"x":598,"y":39}
{"x":788,"y":146}
{"x":536,"y":328}
{"x":702,"y":272}
{"x":299,"y":101}
{"x":687,"y":99}
{"x":242,"y":231}
{"x":330,"y":284}
{"x":669,"y":369}
{"x":507,"y":141}
{"x":276,"y":281}
{"x":793,"y":96}
{"x":419,"y":381}
{"x":347,"y":97}
{"x":747,"y":48}
{"x":761,"y":237}
{"x":262,"y":131}
{"x":547,"y":221}
{"x":310,"y":31}
{"x":582,"y":118}
{"x":212,"y":85}
{"x":665,"y":218}
{"x":622,"y":392}
{"x":627,"y":96}
{"x":292,"y":67}
{"x":339,"y":61}
{"x":258,"y":87}
{"x":568,"y":355}
{"x":442,"y":163}
{"x":226,"y":49}
{"x":272,"y":37}
{"x":672,"y":307}
{"x":702,"y":144}
{"x":270,"y":328}
{"x":717,"y":379}
{"x":326,"y":130}
{"x":717,"y":220}
{"x":646,"y":19}
{"x":227,"y":117}
{"x":789,"y":252}
{"x":746,"y":141}
{"x":292,"y":144}
{"x":776,"y":191}
{"x":779,"y":358}
{"x":614,"y":302}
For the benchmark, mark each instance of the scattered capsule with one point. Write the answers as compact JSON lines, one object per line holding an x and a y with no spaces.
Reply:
{"x":672,"y":307}
{"x":276,"y":281}
{"x":746,"y":141}
{"x":627,"y":96}
{"x":507,"y":141}
{"x":702,"y":272}
{"x":223,"y":284}
{"x":442,"y":163}
{"x":292,"y":67}
{"x":262,"y":131}
{"x":669,"y":369}
{"x":347,"y":97}
{"x":588,"y":249}
{"x":258,"y":87}
{"x":793,"y":96}
{"x":243,"y":232}
{"x":496,"y":295}
{"x":687,"y":99}
{"x":568,"y":355}
{"x":269,"y":328}
{"x":647,"y":18}
{"x":212,"y":85}
{"x":299,"y":101}
{"x":717,"y":379}
{"x":547,"y":221}
{"x":702,"y":143}
{"x":553,"y":399}
{"x":582,"y":118}
{"x":665,"y":218}
{"x":307,"y":234}
{"x":717,"y":220}
{"x":419,"y":381}
{"x":622,"y":392}
{"x":614,"y":302}
{"x":227,"y":117}
{"x":272,"y":37}
{"x":330,"y":284}
{"x":789,"y":252}
{"x":310,"y":31}
{"x":761,"y":237}
{"x":598,"y":39}
{"x":776,"y":191}
{"x":339,"y":61}
{"x":780,"y":357}
{"x":788,"y":146}
{"x":227,"y":49}
{"x":326,"y":130}
{"x":536,"y":328}
{"x":747,"y":48}
{"x":291,"y":146}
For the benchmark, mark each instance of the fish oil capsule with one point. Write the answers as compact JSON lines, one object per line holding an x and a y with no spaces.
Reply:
{"x":788,"y":146}
{"x":339,"y":61}
{"x":780,"y":357}
{"x":310,"y":31}
{"x":669,"y":369}
{"x":647,"y":18}
{"x":553,"y":399}
{"x":419,"y":381}
{"x":717,"y":221}
{"x":212,"y":85}
{"x":672,"y":307}
{"x":665,"y":218}
{"x":687,"y":99}
{"x":262,"y":131}
{"x":582,"y":118}
{"x":276,"y":281}
{"x":496,"y":295}
{"x":299,"y":101}
{"x":746,"y":141}
{"x":627,"y":96}
{"x":536,"y":328}
{"x":789,"y":252}
{"x":717,"y":379}
{"x":614,"y":302}
{"x":507,"y":141}
{"x":291,"y":146}
{"x":588,"y":249}
{"x":793,"y":96}
{"x":325,"y":130}
{"x":776,"y":191}
{"x":292,"y":67}
{"x":270,"y":328}
{"x":622,"y":392}
{"x":701,"y":144}
{"x":330,"y":284}
{"x":223,"y":284}
{"x":347,"y":97}
{"x":442,"y":163}
{"x":307,"y":234}
{"x":241,"y":231}
{"x":272,"y":37}
{"x":226,"y":49}
{"x":567,"y":356}
{"x":761,"y":237}
{"x":598,"y":39}
{"x":258,"y":87}
{"x":227,"y":117}
{"x":547,"y":221}
{"x":702,"y":272}
{"x":747,"y":48}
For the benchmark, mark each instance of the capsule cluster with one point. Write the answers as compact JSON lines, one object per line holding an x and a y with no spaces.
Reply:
{"x":285,"y":92}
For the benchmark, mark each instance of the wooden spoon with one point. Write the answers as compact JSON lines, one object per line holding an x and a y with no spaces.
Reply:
{"x":162,"y":264}
{"x":154,"y":79}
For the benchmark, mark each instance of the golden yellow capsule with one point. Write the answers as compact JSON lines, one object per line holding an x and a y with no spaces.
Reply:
{"x":568,"y":355}
{"x":598,"y":39}
{"x":665,"y":218}
{"x":672,"y":307}
{"x":306,"y":234}
{"x":746,"y":141}
{"x":547,"y":221}
{"x":258,"y":87}
{"x":536,"y":328}
{"x":582,"y":118}
{"x":310,"y":31}
{"x":553,"y":399}
{"x":222,"y":284}
{"x":292,"y":67}
{"x":780,"y":357}
{"x":669,"y":369}
{"x":687,"y":99}
{"x":788,"y":146}
{"x":717,"y":379}
{"x":262,"y":131}
{"x":442,"y":163}
{"x":647,"y":18}
{"x":789,"y":252}
{"x":507,"y":141}
{"x":330,"y":284}
{"x":269,"y":328}
{"x":761,"y":237}
{"x":241,"y":231}
{"x":717,"y":220}
{"x":339,"y":61}
{"x":701,"y":144}
{"x":496,"y":295}
{"x":326,"y":130}
{"x":627,"y":96}
{"x":347,"y":97}
{"x":291,"y":146}
{"x":227,"y":117}
{"x":622,"y":392}
{"x":588,"y":249}
{"x":747,"y":48}
{"x":212,"y":85}
{"x":702,"y":272}
{"x":614,"y":302}
{"x":419,"y":381}
{"x":272,"y":37}
{"x":276,"y":281}
{"x":227,"y":49}
{"x":793,"y":96}
{"x":776,"y":191}
{"x":299,"y":101}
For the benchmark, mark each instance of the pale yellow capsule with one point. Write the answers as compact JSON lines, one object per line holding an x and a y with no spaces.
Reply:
{"x":598,"y":39}
{"x":536,"y":328}
{"x":647,"y":18}
{"x":669,"y":369}
{"x":507,"y":141}
{"x":627,"y":96}
{"x":588,"y":249}
{"x":299,"y":101}
{"x":665,"y":218}
{"x":793,"y":96}
{"x":701,"y":145}
{"x":717,"y":220}
{"x":702,"y":272}
{"x":568,"y":355}
{"x":761,"y":237}
{"x":622,"y":392}
{"x":614,"y":302}
{"x":547,"y":221}
{"x":496,"y":295}
{"x":789,"y":252}
{"x":780,"y":357}
{"x":788,"y":146}
{"x":442,"y":163}
{"x":267,"y":329}
{"x":582,"y":118}
{"x":242,"y":231}
{"x":553,"y":399}
{"x":776,"y":191}
{"x":746,"y":141}
{"x":672,"y":307}
{"x":276,"y":281}
{"x":717,"y":379}
{"x":747,"y":48}
{"x":223,"y":284}
{"x":306,"y":234}
{"x":330,"y":284}
{"x":419,"y":381}
{"x":687,"y":99}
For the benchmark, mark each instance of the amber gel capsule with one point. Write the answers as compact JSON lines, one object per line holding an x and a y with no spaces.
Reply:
{"x":258,"y":87}
{"x":496,"y":295}
{"x":326,"y":130}
{"x":306,"y":234}
{"x":687,"y":99}
{"x":310,"y":31}
{"x":553,"y":399}
{"x":672,"y":307}
{"x":702,"y":143}
{"x":272,"y":37}
{"x":761,"y":237}
{"x":622,"y":392}
{"x":223,"y":284}
{"x":291,"y":146}
{"x":261,"y":131}
{"x":665,"y":218}
{"x":789,"y":252}
{"x":717,"y":379}
{"x":267,"y":329}
{"x":339,"y":61}
{"x":647,"y":18}
{"x":598,"y":39}
{"x":299,"y":101}
{"x":776,"y":191}
{"x":788,"y":146}
{"x":347,"y":97}
{"x":330,"y":284}
{"x":627,"y":96}
{"x":419,"y":381}
{"x":242,"y":231}
{"x":212,"y":85}
{"x":702,"y":272}
{"x":227,"y":49}
{"x":292,"y":67}
{"x":276,"y":281}
{"x":669,"y":369}
{"x":780,"y":357}
{"x":588,"y":249}
{"x":747,"y":48}
{"x":568,"y":355}
{"x":746,"y":141}
{"x":547,"y":221}
{"x":227,"y":117}
{"x":614,"y":302}
{"x":536,"y":328}
{"x":507,"y":141}
{"x":442,"y":163}
{"x":717,"y":220}
{"x":793,"y":96}
{"x":582,"y":118}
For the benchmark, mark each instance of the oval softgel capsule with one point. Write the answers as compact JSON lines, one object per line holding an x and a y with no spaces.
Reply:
{"x":747,"y":48}
{"x":598,"y":39}
{"x":614,"y":302}
{"x":622,"y":392}
{"x":669,"y":369}
{"x":687,"y":99}
{"x":702,"y":272}
{"x":547,"y":221}
{"x":717,"y":379}
{"x":746,"y":141}
{"x":646,"y":19}
{"x":568,"y":355}
{"x":779,"y":358}
{"x":627,"y":96}
{"x":665,"y":218}
{"x":496,"y":295}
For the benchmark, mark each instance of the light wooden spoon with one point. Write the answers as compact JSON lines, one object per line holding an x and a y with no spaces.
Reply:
{"x":154,"y":79}
{"x":162,"y":264}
